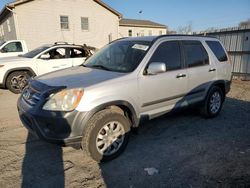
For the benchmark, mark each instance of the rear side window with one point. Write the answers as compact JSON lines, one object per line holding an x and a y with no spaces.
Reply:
{"x":218,"y":50}
{"x":195,"y":54}
{"x":168,"y":53}
{"x":77,"y":53}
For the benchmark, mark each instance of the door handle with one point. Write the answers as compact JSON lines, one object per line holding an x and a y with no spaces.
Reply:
{"x":55,"y":67}
{"x":211,"y":70}
{"x":181,"y":75}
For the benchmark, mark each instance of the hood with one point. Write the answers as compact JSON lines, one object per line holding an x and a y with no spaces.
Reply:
{"x":77,"y":77}
{"x":13,"y":59}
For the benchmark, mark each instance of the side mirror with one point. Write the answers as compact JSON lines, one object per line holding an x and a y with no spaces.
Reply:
{"x":156,"y":68}
{"x":45,"y":56}
{"x":3,"y":50}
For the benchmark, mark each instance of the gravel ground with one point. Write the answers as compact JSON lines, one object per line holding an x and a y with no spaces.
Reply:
{"x":183,"y":149}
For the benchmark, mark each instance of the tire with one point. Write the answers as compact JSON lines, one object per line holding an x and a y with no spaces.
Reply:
{"x":96,"y":131}
{"x":16,"y":81}
{"x":213,"y":102}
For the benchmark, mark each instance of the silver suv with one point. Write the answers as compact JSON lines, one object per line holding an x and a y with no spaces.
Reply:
{"x":99,"y":102}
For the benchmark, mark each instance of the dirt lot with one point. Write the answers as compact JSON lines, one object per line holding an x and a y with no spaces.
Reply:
{"x":187,"y":151}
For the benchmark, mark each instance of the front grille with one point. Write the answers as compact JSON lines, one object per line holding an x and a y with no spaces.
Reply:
{"x":31,"y":96}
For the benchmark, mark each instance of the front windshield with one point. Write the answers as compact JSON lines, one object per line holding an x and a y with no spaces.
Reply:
{"x":120,"y":56}
{"x":35,"y":52}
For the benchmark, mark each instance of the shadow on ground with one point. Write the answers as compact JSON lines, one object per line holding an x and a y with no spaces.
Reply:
{"x":42,"y":165}
{"x":188,"y":151}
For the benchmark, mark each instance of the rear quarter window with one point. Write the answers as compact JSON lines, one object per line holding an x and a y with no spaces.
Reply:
{"x":218,"y":50}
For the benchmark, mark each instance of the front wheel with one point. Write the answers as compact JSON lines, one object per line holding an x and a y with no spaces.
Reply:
{"x":213,"y":102}
{"x":106,"y":135}
{"x":16,"y":81}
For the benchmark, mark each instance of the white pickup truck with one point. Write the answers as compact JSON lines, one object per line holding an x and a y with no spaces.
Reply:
{"x":13,"y":48}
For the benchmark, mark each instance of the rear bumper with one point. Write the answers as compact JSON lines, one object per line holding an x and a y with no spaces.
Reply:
{"x":53,"y":127}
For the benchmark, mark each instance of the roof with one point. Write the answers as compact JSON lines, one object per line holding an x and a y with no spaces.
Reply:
{"x":154,"y":38}
{"x":141,"y":23}
{"x":19,"y":2}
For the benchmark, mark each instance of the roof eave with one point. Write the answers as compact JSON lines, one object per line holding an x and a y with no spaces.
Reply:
{"x":13,"y":4}
{"x":109,"y":8}
{"x":4,"y":12}
{"x":16,"y":3}
{"x":139,"y":25}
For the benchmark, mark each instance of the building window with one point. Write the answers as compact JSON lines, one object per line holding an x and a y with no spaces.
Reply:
{"x":160,"y":32}
{"x":142,"y":33}
{"x":150,"y":32}
{"x":8,"y":25}
{"x":64,"y":20}
{"x":130,"y":33}
{"x":85,"y":23}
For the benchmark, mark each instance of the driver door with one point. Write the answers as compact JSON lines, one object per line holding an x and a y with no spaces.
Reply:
{"x":162,"y":92}
{"x":53,"y":60}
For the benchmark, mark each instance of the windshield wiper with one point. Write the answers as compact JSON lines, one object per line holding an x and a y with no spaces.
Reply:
{"x":100,"y":67}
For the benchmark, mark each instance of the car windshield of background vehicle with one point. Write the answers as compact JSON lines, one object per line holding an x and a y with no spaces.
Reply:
{"x":120,"y":56}
{"x":35,"y":52}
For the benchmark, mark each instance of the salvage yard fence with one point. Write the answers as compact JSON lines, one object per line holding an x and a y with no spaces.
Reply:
{"x":237,"y":43}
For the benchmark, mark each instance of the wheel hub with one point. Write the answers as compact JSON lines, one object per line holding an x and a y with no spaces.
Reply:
{"x":215,"y":102}
{"x":110,"y":138}
{"x":18,"y":82}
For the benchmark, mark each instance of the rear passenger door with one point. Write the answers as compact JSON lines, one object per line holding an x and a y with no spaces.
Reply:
{"x":164,"y":91}
{"x":201,"y":71}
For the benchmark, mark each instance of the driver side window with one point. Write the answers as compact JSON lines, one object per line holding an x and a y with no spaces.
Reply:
{"x":169,"y":53}
{"x":57,"y":53}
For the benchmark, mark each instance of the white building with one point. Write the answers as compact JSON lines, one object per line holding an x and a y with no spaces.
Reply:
{"x":90,"y":22}
{"x":47,"y":21}
{"x":135,"y":28}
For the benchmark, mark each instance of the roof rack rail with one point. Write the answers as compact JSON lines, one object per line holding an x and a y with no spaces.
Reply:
{"x":56,"y":43}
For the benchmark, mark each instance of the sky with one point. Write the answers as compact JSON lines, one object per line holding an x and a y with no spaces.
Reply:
{"x":201,"y":14}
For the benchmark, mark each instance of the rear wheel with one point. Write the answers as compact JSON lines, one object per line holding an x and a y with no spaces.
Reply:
{"x":16,"y":81}
{"x":213,"y":102}
{"x":106,"y":135}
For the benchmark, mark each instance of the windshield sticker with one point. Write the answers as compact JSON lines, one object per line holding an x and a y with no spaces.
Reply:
{"x":140,"y":47}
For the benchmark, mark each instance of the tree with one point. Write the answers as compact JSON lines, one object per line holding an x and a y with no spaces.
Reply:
{"x":185,"y":29}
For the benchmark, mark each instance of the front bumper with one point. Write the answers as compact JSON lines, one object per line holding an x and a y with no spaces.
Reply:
{"x":54,"y":127}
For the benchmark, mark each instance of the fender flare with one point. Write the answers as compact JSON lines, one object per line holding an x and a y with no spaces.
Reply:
{"x":82,"y":118}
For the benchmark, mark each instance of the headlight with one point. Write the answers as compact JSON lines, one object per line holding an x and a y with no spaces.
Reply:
{"x":65,"y":100}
